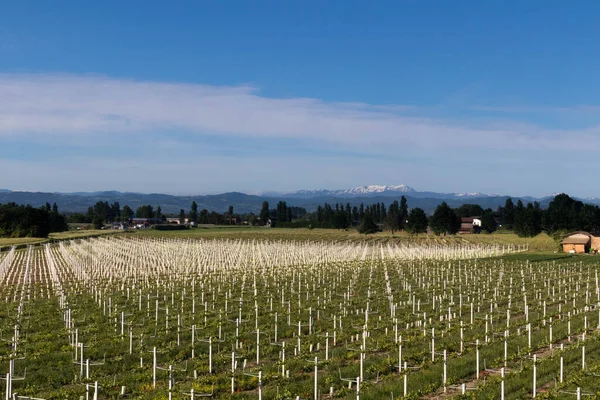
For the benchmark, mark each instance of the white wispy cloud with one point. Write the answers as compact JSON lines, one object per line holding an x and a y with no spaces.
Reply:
{"x":67,"y":106}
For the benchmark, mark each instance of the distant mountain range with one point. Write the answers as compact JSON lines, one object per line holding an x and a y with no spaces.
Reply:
{"x":380,"y":191}
{"x":244,"y":203}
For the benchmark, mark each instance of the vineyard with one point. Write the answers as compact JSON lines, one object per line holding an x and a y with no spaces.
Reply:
{"x":176,"y":318}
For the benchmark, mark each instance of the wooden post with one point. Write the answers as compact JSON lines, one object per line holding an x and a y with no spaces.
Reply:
{"x":210,"y":368}
{"x":258,"y":346}
{"x":445,"y":368}
{"x":361,"y":363}
{"x":259,"y":385}
{"x":316,"y":380}
{"x":232,"y":372}
{"x":534,"y":375}
{"x":502,"y":385}
{"x":154,"y":367}
{"x":477,"y":358}
{"x":432,"y":344}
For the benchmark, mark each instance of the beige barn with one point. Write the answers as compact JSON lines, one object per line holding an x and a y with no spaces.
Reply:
{"x":580,"y":242}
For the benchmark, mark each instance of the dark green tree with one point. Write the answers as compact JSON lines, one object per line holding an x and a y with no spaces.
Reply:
{"x":590,"y":217}
{"x":230,"y":214}
{"x":488,"y":222}
{"x":114,"y":214}
{"x":126,"y":213}
{"x":98,"y":222}
{"x":469,"y":210}
{"x":528,"y":221}
{"x":194,"y":212}
{"x":146,"y":211}
{"x":508,"y":213}
{"x":403,"y":212}
{"x":444,"y":220}
{"x":564,"y":214}
{"x":367,"y":225}
{"x":417,"y":221}
{"x":181,"y":216}
{"x":393,"y":219}
{"x":264,"y":212}
{"x":204,"y":216}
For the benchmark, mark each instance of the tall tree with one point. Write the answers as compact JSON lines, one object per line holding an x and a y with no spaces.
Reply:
{"x":508,"y":213}
{"x":194,"y":213}
{"x":181,"y":216}
{"x":146,"y":211}
{"x":444,"y":220}
{"x":403,"y":212}
{"x":417,"y":221}
{"x":488,"y":222}
{"x":282,"y":211}
{"x":56,"y":221}
{"x":126,"y":213}
{"x":115,"y":212}
{"x":158,"y":214}
{"x":564,"y":213}
{"x":368,"y":225}
{"x":264,"y":212}
{"x":469,"y":210}
{"x":393,"y":217}
{"x":204,"y":216}
{"x":528,"y":221}
{"x":230,"y":214}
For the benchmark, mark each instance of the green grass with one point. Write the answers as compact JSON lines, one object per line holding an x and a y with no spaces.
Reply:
{"x":72,"y":234}
{"x":17,"y":241}
{"x":81,"y":234}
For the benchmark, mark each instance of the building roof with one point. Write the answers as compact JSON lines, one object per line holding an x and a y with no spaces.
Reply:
{"x":578,"y":233}
{"x":576,"y":240}
{"x":468,"y":220}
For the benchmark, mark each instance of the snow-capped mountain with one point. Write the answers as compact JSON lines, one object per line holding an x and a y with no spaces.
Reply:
{"x":361,"y":191}
{"x":379,"y":191}
{"x":475,"y":194}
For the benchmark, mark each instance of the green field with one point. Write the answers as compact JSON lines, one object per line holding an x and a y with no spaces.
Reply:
{"x":542,"y":242}
{"x":328,"y":294}
{"x":71,"y":234}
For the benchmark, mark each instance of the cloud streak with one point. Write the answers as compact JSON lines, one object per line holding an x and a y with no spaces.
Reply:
{"x":67,"y":106}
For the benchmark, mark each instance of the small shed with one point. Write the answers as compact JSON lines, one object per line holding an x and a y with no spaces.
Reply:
{"x":470,"y":225}
{"x":577,"y":242}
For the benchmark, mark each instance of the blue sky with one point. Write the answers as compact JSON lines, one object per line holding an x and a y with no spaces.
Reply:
{"x":204,"y":97}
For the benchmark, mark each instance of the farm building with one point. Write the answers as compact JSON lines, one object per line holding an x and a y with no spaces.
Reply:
{"x":469,"y":224}
{"x":580,"y":242}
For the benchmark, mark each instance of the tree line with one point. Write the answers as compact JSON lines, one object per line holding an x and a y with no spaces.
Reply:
{"x":27,"y":221}
{"x":562,"y":214}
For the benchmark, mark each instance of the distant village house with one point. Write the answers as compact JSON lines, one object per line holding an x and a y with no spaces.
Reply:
{"x":470,"y":225}
{"x":580,"y":242}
